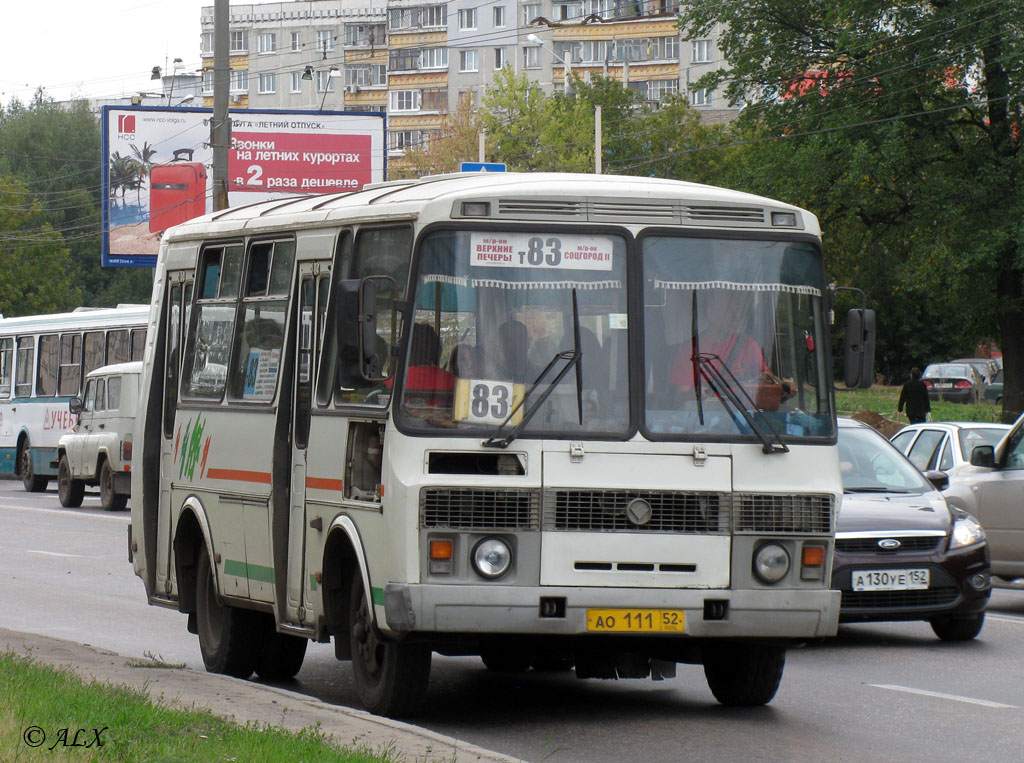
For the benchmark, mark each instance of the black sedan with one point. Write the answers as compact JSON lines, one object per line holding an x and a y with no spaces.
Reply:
{"x":902,"y":553}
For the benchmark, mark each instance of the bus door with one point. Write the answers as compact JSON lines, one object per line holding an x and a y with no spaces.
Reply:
{"x":178,"y":298}
{"x":313,"y":288}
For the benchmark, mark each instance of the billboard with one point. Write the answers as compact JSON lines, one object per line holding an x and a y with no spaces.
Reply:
{"x":157,"y":166}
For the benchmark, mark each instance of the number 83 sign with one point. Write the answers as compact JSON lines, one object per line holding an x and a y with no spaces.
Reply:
{"x":483,"y":401}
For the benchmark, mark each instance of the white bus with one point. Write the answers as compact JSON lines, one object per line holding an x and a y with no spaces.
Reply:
{"x":43,"y":360}
{"x":505,"y":415}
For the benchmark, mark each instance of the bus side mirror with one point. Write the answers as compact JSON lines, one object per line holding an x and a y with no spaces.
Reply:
{"x":983,"y":455}
{"x":859,"y":360}
{"x":75,"y":405}
{"x":363,"y":353}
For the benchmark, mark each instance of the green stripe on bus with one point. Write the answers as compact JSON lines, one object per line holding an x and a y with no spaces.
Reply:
{"x":251,"y":571}
{"x":312,"y":582}
{"x":378,"y":596}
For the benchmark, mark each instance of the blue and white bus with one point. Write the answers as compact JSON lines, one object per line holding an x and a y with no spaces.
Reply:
{"x":43,"y":360}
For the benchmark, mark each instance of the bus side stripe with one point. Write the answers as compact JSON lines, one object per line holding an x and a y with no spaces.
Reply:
{"x":238,"y":475}
{"x":322,"y":483}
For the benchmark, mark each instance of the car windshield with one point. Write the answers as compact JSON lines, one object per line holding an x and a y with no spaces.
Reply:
{"x":870,"y":463}
{"x":947,"y":372}
{"x":972,"y":437}
{"x":731,"y":325}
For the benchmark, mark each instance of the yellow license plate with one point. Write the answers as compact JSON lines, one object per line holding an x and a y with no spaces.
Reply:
{"x":635,"y":620}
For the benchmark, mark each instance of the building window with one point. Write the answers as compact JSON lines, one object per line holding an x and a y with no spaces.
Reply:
{"x":530,"y":12}
{"x":659,"y":89}
{"x":296,"y":41}
{"x":531,"y":57}
{"x":499,"y":58}
{"x":239,"y":41}
{"x":267,"y":42}
{"x":499,"y":16}
{"x":435,"y":99}
{"x":400,"y":140}
{"x":405,"y":100}
{"x":467,"y":61}
{"x":324,"y":40}
{"x":296,"y":82}
{"x":324,"y":82}
{"x":208,"y":82}
{"x":670,"y":47}
{"x":206,"y":44}
{"x":570,"y":10}
{"x":434,"y":58}
{"x":435,"y":15}
{"x":239,"y":81}
{"x":404,"y":59}
{"x":268,"y":83}
{"x":701,"y":51}
{"x":467,"y":18}
{"x":364,"y":35}
{"x":700,"y":97}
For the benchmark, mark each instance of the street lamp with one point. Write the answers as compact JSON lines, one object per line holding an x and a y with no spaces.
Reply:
{"x":568,"y":67}
{"x":333,"y":73}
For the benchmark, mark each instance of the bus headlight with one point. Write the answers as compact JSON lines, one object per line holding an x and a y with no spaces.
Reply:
{"x":771,"y":562}
{"x":492,"y":557}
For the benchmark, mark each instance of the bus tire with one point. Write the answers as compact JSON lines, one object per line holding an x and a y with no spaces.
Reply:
{"x":110,"y":499}
{"x":32,"y":482}
{"x":743,"y":675}
{"x":230,"y":638}
{"x":390,"y":677}
{"x":282,"y":655}
{"x":505,"y":661}
{"x":69,"y":490}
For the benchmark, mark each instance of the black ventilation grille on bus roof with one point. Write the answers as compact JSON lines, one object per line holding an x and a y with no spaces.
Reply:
{"x":768,"y":513}
{"x":723,"y":214}
{"x":666,"y":511}
{"x":653,"y":210}
{"x":464,"y":508}
{"x":543,"y":208}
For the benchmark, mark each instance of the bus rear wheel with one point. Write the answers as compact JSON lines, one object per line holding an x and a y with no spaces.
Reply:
{"x":742,"y":675}
{"x":110,"y":499}
{"x":390,"y":677}
{"x":230,"y":638}
{"x":69,"y":490}
{"x":282,"y":655}
{"x":32,"y":482}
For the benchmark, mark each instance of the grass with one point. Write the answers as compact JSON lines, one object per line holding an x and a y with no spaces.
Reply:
{"x":38,"y":701}
{"x":883,"y":400}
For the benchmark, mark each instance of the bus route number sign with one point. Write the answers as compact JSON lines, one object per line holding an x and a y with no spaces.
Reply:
{"x":484,"y":401}
{"x":542,"y":251}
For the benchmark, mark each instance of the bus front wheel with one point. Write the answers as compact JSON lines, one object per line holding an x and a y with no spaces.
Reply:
{"x":32,"y":482}
{"x":230,"y":638}
{"x":390,"y":677}
{"x":742,"y":675}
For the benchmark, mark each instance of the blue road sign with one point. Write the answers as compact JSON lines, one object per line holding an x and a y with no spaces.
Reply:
{"x":482,"y":167}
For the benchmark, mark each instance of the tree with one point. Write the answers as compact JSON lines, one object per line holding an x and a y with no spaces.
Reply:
{"x":914,"y":109}
{"x":457,"y":142}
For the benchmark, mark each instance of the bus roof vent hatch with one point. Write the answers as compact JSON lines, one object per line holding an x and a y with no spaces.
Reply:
{"x":652,"y":210}
{"x":550,"y":209}
{"x":719,"y":215}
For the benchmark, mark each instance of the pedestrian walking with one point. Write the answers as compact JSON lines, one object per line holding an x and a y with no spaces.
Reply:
{"x":914,"y":396}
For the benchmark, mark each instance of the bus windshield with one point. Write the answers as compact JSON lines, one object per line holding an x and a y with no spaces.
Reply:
{"x":493,"y":309}
{"x":734,"y":327}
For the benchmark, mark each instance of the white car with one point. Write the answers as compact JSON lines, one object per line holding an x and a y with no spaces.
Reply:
{"x":99,"y":451}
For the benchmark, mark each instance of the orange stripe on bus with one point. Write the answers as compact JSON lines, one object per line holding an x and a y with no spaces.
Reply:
{"x":238,"y":475}
{"x":322,"y":483}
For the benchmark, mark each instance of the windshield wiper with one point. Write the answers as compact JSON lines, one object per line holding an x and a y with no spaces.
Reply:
{"x":572,"y":359}
{"x":729,"y":390}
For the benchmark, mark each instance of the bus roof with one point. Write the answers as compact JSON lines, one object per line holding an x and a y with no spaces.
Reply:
{"x":551,"y":197}
{"x":122,"y":315}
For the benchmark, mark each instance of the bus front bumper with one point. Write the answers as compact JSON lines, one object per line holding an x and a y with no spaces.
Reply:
{"x":714,"y":613}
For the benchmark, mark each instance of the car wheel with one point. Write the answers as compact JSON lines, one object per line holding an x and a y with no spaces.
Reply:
{"x":958,"y":628}
{"x":744,"y":675}
{"x":109,"y":498}
{"x":390,"y":677}
{"x":31,"y":481}
{"x":230,"y":639}
{"x":69,"y":490}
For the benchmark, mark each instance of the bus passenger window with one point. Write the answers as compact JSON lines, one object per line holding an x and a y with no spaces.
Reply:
{"x":117,"y":346}
{"x":94,"y":350}
{"x":69,"y":379}
{"x":6,"y":356}
{"x":46,"y":381}
{"x":26,"y":363}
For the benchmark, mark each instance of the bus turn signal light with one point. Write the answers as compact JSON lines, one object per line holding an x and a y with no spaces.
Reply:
{"x":441,"y":556}
{"x":812,"y":560}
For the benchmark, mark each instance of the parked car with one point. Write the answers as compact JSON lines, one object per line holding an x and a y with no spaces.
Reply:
{"x":901,"y":552}
{"x":992,"y":488}
{"x":987,"y":367}
{"x":946,"y":445}
{"x":994,"y":389}
{"x":99,"y":451}
{"x":955,"y":382}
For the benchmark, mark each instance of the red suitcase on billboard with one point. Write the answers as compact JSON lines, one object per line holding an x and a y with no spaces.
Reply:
{"x":177,"y":191}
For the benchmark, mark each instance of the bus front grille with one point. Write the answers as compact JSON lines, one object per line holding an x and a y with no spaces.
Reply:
{"x":636,"y":511}
{"x":768,"y":513}
{"x":463,"y":508}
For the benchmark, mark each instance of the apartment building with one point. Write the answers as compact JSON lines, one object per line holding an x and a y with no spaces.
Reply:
{"x":416,"y":59}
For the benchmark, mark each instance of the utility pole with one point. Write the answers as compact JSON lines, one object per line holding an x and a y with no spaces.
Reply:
{"x":597,"y":139}
{"x":220,"y":125}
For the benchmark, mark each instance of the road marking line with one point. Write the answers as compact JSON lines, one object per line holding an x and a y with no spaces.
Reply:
{"x":53,"y":553}
{"x":1005,"y":618}
{"x":940,"y":695}
{"x":66,"y":513}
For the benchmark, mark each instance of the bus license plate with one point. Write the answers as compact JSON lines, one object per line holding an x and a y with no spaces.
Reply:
{"x":635,"y":620}
{"x":890,"y":580}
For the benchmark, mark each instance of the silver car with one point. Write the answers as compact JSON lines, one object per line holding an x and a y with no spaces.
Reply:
{"x":990,"y":486}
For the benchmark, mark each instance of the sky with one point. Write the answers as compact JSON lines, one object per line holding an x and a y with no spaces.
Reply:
{"x":94,"y":48}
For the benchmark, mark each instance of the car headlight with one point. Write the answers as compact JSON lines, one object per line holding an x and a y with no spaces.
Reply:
{"x":492,"y":557}
{"x":966,"y":532}
{"x":771,"y":562}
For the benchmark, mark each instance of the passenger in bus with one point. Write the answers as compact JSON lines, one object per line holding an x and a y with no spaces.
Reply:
{"x":511,"y":360}
{"x":424,"y":374}
{"x":463,"y":362}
